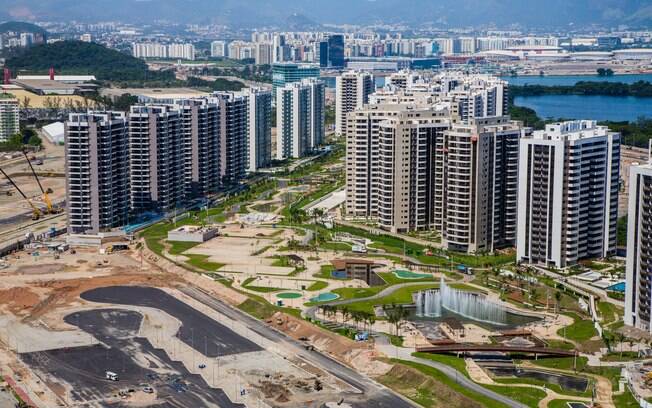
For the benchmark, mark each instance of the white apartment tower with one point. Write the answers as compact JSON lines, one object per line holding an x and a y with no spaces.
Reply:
{"x":260,"y":128}
{"x":352,"y":92}
{"x":475,"y":198}
{"x":638,"y":288}
{"x":234,"y":131}
{"x":97,"y":171}
{"x":299,"y":118}
{"x":568,"y":194}
{"x":218,"y":49}
{"x":9,"y":117}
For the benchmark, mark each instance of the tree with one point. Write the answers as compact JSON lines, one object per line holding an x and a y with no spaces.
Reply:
{"x":620,"y":338}
{"x":396,"y":314}
{"x":26,"y":101}
{"x":557,"y":301}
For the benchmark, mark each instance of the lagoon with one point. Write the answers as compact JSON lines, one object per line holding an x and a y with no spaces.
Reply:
{"x":569,"y":80}
{"x":614,"y":108}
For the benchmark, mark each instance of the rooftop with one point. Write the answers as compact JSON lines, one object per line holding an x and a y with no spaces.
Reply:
{"x":571,"y":130}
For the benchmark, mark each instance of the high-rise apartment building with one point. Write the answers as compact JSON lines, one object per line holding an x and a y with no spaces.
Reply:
{"x":286,"y":73}
{"x":336,"y":51}
{"x":299,"y":118}
{"x":156,"y":157}
{"x":9,"y":116}
{"x":234,"y":131}
{"x":638,"y":287}
{"x":200,"y":126}
{"x":568,"y":194}
{"x":97,"y":171}
{"x":475,"y":198}
{"x":218,"y":49}
{"x":260,"y":128}
{"x":352,"y":90}
{"x":411,"y":168}
{"x":263,"y":53}
{"x":157,"y":50}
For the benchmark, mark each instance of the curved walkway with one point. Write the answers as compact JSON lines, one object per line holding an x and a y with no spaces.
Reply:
{"x":402,"y":353}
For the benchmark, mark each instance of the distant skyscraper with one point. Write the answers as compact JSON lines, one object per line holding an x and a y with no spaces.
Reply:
{"x":638,"y":288}
{"x":97,"y":171}
{"x":336,"y":51}
{"x":299,"y":118}
{"x":289,"y":72}
{"x":323,"y":54}
{"x":352,"y":90}
{"x":9,"y":116}
{"x":263,"y":53}
{"x":568,"y":194}
{"x":218,"y":49}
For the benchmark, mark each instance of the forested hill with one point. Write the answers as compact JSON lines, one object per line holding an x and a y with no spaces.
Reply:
{"x":76,"y":57}
{"x":21,"y":27}
{"x":639,"y":89}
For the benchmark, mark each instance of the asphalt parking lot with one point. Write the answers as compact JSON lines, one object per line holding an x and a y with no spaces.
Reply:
{"x":132,"y":358}
{"x":198,"y":330}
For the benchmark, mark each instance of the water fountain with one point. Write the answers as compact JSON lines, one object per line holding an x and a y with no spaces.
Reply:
{"x":430,"y":303}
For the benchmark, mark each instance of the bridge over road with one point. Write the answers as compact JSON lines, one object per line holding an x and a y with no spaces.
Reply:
{"x":463,"y":348}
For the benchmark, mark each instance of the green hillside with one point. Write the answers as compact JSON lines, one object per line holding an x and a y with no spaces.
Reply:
{"x":76,"y":57}
{"x":21,"y":27}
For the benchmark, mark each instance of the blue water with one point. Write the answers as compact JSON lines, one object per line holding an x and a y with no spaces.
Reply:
{"x":616,"y":108}
{"x":618,"y":287}
{"x":573,"y":79}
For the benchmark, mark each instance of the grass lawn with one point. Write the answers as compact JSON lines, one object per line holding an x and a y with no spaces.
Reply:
{"x":357,"y":293}
{"x":581,"y":330}
{"x":566,"y":363}
{"x":260,"y":309}
{"x":457,"y":363}
{"x":625,"y":400}
{"x":431,"y":393}
{"x":395,"y":340}
{"x":179,"y":247}
{"x":608,"y":312}
{"x":526,"y":395}
{"x":401,"y":296}
{"x":325,"y":273}
{"x":317,"y":285}
{"x":616,"y":356}
{"x":201,"y":262}
{"x":392,"y":279}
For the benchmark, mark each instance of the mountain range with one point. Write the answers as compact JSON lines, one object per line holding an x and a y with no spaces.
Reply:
{"x":267,"y":13}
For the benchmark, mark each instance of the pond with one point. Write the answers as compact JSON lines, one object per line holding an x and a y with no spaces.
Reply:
{"x":325,"y":297}
{"x":404,"y":274}
{"x":288,"y":295}
{"x":566,"y":382}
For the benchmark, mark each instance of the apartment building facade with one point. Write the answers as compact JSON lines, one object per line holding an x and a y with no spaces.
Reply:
{"x":156,"y":158}
{"x":97,"y":171}
{"x":234,"y":132}
{"x":260,"y":128}
{"x":568,"y":194}
{"x":638,"y":287}
{"x":9,"y":117}
{"x":352,"y":90}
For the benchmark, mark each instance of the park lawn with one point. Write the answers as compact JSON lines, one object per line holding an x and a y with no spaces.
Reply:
{"x":179,"y":247}
{"x":432,"y":395}
{"x":392,"y":279}
{"x":525,"y":395}
{"x":560,"y":344}
{"x":617,"y":356}
{"x":401,"y":296}
{"x":325,"y":273}
{"x":335,"y":246}
{"x":262,"y":310}
{"x":581,"y":330}
{"x":625,"y":400}
{"x":608,"y":311}
{"x":202,"y":262}
{"x":357,"y":293}
{"x":317,"y":285}
{"x":457,"y":363}
{"x":395,"y":340}
{"x":559,"y":403}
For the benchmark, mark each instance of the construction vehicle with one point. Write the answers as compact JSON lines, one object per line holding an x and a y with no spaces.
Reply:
{"x":46,"y":197}
{"x":36,"y":213}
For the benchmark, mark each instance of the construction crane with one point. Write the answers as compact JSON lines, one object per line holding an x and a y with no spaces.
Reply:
{"x":46,"y":196}
{"x":36,"y":213}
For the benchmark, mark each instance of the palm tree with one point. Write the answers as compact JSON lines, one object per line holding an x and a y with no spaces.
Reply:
{"x":533,"y":294}
{"x":395,"y":316}
{"x":557,"y":300}
{"x":620,"y":338}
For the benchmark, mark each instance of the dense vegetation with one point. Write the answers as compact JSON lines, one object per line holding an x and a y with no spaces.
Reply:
{"x":17,"y":141}
{"x":21,"y":27}
{"x":638,"y":89}
{"x":636,"y":133}
{"x":76,"y":57}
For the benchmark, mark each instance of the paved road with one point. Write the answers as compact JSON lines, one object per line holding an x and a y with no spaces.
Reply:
{"x":406,"y":354}
{"x":371,"y":395}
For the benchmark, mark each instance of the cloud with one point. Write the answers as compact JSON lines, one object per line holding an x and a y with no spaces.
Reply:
{"x":21,"y":13}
